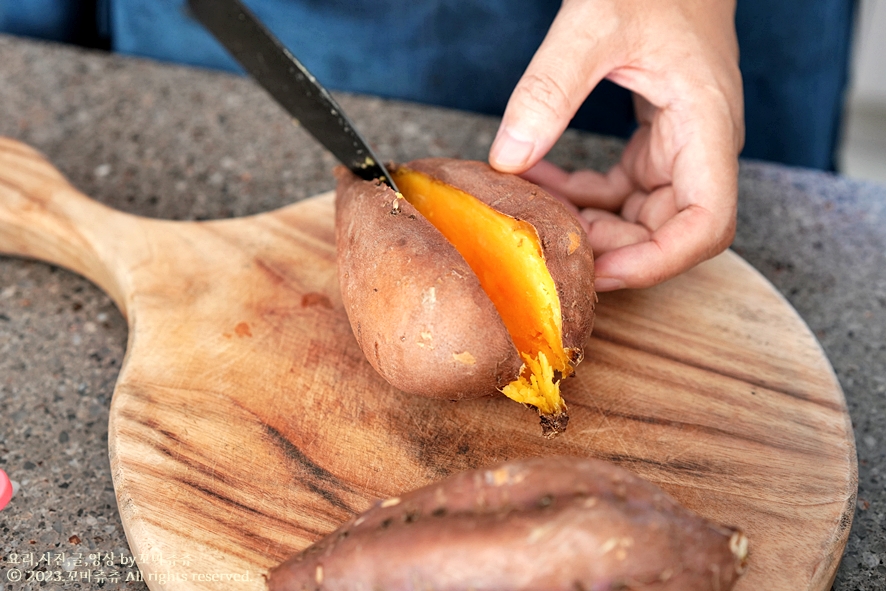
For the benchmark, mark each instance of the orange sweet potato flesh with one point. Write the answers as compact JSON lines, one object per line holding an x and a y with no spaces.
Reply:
{"x":542,"y":524}
{"x":506,"y":255}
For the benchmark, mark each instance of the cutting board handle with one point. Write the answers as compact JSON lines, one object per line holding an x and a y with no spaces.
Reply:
{"x":43,"y":217}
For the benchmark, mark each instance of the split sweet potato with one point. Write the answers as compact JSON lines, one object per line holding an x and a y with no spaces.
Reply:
{"x":468,"y":283}
{"x":545,"y":524}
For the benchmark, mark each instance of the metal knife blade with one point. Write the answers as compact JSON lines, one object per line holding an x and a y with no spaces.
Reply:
{"x":289,"y":83}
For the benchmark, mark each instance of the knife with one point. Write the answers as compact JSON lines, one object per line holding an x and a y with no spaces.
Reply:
{"x":289,"y":83}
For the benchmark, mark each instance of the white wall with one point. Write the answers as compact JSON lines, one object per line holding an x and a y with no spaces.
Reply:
{"x":862,"y":151}
{"x":869,"y":53}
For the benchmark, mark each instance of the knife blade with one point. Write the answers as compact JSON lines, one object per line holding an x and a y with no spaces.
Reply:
{"x":287,"y":80}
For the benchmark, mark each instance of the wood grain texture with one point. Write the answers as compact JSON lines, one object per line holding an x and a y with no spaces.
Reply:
{"x":246,"y":423}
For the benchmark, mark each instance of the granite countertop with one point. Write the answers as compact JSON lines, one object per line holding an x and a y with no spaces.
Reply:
{"x":177,"y":143}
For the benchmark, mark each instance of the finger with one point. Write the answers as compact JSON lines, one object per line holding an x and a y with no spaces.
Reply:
{"x":570,"y":62}
{"x":658,"y":208}
{"x":630,"y":211}
{"x":705,"y":169}
{"x":584,"y":188}
{"x":651,"y":210}
{"x":692,"y":236}
{"x":608,"y":231}
{"x":549,"y":177}
{"x":643,"y":109}
{"x":648,"y":158}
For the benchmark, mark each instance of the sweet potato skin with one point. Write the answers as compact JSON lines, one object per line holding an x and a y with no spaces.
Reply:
{"x":552,"y":524}
{"x":417,"y":309}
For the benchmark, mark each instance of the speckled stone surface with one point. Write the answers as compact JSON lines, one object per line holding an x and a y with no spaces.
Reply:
{"x":178,"y":143}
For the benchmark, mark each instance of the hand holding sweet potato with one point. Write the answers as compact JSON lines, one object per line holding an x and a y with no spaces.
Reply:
{"x":671,"y":201}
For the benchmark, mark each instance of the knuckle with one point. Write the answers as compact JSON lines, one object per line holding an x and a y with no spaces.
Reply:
{"x":544,"y":95}
{"x":651,"y":277}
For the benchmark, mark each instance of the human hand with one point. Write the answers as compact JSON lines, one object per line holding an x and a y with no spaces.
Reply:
{"x":670,"y":203}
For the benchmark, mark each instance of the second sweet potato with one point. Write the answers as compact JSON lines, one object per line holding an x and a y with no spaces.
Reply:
{"x":543,"y":524}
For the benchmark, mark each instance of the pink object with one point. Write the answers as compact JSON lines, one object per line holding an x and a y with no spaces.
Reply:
{"x":5,"y":490}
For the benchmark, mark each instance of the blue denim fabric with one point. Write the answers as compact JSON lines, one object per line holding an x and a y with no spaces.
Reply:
{"x":469,"y":54}
{"x":43,"y":19}
{"x":441,"y":52}
{"x":794,"y":63}
{"x":463,"y":54}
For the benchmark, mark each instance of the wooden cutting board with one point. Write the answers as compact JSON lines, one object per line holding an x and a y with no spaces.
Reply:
{"x":246,"y":424}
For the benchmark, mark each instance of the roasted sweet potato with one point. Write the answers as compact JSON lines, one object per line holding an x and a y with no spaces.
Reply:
{"x":467,"y":283}
{"x":545,"y":524}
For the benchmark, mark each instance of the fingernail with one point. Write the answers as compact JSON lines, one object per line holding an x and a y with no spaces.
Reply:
{"x":602,"y":284}
{"x":509,"y":151}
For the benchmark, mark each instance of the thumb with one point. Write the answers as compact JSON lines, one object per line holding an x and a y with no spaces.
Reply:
{"x":565,"y":68}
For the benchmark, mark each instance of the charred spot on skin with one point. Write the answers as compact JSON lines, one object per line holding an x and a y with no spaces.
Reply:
{"x":553,"y":424}
{"x":576,"y":356}
{"x":439,"y":512}
{"x":387,"y":523}
{"x":410,"y":516}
